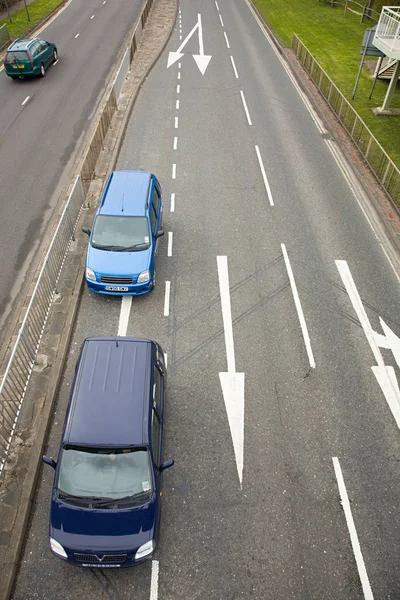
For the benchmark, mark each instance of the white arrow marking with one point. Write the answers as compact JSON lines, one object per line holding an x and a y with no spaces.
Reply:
{"x":232,"y":383}
{"x":390,"y":340}
{"x":384,"y":375}
{"x":201,"y":59}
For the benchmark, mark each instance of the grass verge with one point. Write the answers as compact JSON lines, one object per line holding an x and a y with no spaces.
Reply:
{"x":38,"y":11}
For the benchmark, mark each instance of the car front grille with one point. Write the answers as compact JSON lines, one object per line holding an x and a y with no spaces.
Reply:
{"x":106,"y":559}
{"x":116,"y":280}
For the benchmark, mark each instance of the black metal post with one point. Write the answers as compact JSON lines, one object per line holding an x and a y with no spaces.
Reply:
{"x":27,"y":12}
{"x":361,"y":63}
{"x":378,"y":66}
{"x":8,"y":10}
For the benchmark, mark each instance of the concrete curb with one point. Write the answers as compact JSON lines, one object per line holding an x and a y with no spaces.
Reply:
{"x":21,"y":489}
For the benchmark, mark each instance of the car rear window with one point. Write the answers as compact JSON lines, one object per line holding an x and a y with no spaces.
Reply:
{"x":17,"y":55}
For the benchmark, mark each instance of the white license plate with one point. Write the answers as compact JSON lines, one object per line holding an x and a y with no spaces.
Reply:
{"x":116,"y":288}
{"x":96,"y":566}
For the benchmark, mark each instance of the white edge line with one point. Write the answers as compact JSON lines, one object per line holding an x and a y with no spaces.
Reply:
{"x":300,"y":313}
{"x":155,"y":567}
{"x":246,"y":110}
{"x":271,"y":201}
{"x":234,"y":67}
{"x":166,"y":300}
{"x":170,"y":237}
{"x":126,"y":304}
{"x":362,"y":572}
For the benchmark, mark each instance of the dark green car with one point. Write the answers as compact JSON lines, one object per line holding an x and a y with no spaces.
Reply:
{"x":29,"y":58}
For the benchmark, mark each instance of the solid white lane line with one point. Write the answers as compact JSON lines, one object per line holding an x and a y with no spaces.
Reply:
{"x":264,"y":177}
{"x":246,"y":110}
{"x":179,"y":75}
{"x":220,"y":18}
{"x":177,"y":105}
{"x":172,"y":209}
{"x":234,"y":68}
{"x":25,"y":101}
{"x":166,"y":359}
{"x":362,"y":571}
{"x":124,"y":315}
{"x":155,"y":567}
{"x":77,"y":35}
{"x":300,"y":313}
{"x":216,"y":4}
{"x":178,"y":89}
{"x":170,"y":236}
{"x":174,"y":171}
{"x":176,"y":122}
{"x":166,"y":300}
{"x":226,"y":39}
{"x":175,"y":143}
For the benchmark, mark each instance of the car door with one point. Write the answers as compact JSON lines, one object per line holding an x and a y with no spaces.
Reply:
{"x":44,"y":53}
{"x":156,"y":449}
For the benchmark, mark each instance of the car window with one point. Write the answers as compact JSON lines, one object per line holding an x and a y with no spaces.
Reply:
{"x":16,"y":56}
{"x":35,"y":49}
{"x":43,"y":45}
{"x":156,"y":199}
{"x":122,"y":234}
{"x":153,"y":219}
{"x":105,"y":473}
{"x":157,"y":389}
{"x":155,"y":436}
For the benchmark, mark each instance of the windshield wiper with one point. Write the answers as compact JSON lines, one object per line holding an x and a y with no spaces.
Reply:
{"x":84,"y":498}
{"x":134,"y":247}
{"x":100,"y":247}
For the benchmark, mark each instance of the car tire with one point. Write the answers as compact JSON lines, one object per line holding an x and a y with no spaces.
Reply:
{"x":42,"y":70}
{"x":55,"y":55}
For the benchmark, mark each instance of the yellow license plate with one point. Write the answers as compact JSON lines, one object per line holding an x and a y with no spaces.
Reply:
{"x":19,"y":67}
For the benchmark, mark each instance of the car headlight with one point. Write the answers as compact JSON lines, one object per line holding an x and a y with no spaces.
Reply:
{"x":145,"y":550}
{"x":144,"y":276}
{"x":58,"y":549}
{"x":90,"y":274}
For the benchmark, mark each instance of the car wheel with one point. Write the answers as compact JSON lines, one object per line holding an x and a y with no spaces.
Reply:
{"x":55,"y":55}
{"x":42,"y":70}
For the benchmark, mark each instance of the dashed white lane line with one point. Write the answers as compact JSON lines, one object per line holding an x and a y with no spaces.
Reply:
{"x":300,"y":313}
{"x":362,"y":571}
{"x":216,"y":4}
{"x":220,"y":18}
{"x":264,"y":176}
{"x":172,"y":209}
{"x":166,"y":359}
{"x":177,"y":105}
{"x":170,"y":237}
{"x":178,"y":89}
{"x":179,"y":65}
{"x":77,"y":35}
{"x":104,"y":1}
{"x":92,"y":17}
{"x":124,"y":315}
{"x":155,"y":567}
{"x":234,"y":68}
{"x":179,"y":75}
{"x":174,"y":171}
{"x":180,"y":37}
{"x":25,"y":101}
{"x":175,"y":143}
{"x":176,"y":122}
{"x":226,"y":39}
{"x":166,"y":299}
{"x":56,"y":63}
{"x":246,"y":110}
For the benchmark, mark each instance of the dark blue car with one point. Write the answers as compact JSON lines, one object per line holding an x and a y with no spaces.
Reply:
{"x":123,"y":241}
{"x":105,"y":504}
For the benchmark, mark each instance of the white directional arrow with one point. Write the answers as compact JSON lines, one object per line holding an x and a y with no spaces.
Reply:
{"x":232,"y":383}
{"x":390,"y":340}
{"x":201,"y":59}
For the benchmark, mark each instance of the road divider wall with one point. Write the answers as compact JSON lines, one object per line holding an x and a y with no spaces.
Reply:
{"x":384,"y":169}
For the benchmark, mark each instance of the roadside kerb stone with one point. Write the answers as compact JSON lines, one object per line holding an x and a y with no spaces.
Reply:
{"x":17,"y":491}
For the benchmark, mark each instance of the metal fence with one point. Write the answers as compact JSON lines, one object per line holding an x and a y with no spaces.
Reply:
{"x":20,"y":365}
{"x":385,"y":170}
{"x":355,"y":7}
{"x":4,"y":36}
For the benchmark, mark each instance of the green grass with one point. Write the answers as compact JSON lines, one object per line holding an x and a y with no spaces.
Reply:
{"x":38,"y":11}
{"x":334,"y":38}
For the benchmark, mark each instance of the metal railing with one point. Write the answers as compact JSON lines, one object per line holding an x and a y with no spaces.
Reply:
{"x":356,"y":8}
{"x":385,"y":170}
{"x":22,"y":360}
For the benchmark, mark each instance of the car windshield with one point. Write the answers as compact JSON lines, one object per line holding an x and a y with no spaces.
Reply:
{"x":105,"y":474}
{"x":121,"y":234}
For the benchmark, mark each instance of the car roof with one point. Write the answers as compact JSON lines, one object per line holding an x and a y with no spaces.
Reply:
{"x":21,"y":44}
{"x":111,"y":397}
{"x":126,"y":193}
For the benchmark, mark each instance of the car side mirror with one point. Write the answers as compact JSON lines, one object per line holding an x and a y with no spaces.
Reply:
{"x":159,"y":233}
{"x":49,"y":461}
{"x":167,"y":464}
{"x":86,"y":230}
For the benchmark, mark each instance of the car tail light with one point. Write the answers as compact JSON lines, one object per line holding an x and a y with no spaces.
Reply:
{"x":30,"y":58}
{"x":7,"y":59}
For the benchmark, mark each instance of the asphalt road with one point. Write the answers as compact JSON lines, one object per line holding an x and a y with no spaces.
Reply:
{"x":40,"y":136}
{"x":311,"y":513}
